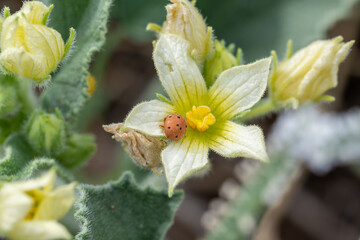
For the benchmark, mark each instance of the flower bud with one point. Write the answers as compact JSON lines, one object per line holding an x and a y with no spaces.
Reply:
{"x":309,"y":72}
{"x":30,"y":209}
{"x":46,"y":133}
{"x":29,"y":48}
{"x":145,"y":150}
{"x":221,"y":60}
{"x":79,"y":148}
{"x":184,"y":19}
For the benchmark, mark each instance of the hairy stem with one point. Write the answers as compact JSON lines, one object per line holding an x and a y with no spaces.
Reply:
{"x":262,"y":108}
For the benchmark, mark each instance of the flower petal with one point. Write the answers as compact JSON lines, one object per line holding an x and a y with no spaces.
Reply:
{"x":182,"y":158}
{"x":234,"y":140}
{"x":39,"y":230}
{"x":239,"y":88}
{"x":147,"y":117}
{"x":57,"y":203}
{"x":178,"y":72}
{"x":14,"y":206}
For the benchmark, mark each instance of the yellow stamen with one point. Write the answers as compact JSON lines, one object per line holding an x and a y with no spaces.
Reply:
{"x":200,"y":117}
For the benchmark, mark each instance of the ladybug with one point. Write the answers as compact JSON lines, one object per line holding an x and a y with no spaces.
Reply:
{"x":175,"y":126}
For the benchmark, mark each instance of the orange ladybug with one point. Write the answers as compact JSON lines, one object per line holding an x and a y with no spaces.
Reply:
{"x":175,"y":126}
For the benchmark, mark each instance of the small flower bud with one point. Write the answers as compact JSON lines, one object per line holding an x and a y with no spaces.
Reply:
{"x":79,"y":148}
{"x":309,"y":72}
{"x":29,"y":48}
{"x":145,"y":150}
{"x":184,"y":19}
{"x":221,"y":60}
{"x":46,"y":133}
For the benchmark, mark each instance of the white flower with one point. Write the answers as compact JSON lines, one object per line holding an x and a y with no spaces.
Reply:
{"x":208,"y":111}
{"x":30,"y":209}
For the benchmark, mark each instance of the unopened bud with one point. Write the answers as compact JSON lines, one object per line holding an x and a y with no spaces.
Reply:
{"x":184,"y":19}
{"x":79,"y":148}
{"x":145,"y":150}
{"x":221,"y":60}
{"x":29,"y":48}
{"x":309,"y":72}
{"x":46,"y":133}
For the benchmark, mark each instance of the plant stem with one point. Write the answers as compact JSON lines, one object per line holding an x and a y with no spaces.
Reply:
{"x":264,"y":107}
{"x":26,"y":95}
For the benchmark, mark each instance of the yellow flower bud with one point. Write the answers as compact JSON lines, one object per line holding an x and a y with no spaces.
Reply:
{"x":309,"y":72}
{"x":184,"y":19}
{"x":29,"y":48}
{"x":35,"y":12}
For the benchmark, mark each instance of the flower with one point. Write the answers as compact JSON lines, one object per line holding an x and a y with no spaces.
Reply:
{"x":309,"y":72}
{"x":184,"y":20}
{"x":29,"y":48}
{"x":30,"y":209}
{"x":208,"y":112}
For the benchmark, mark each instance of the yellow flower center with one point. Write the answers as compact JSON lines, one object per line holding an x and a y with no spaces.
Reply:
{"x":200,"y":117}
{"x":37,"y":196}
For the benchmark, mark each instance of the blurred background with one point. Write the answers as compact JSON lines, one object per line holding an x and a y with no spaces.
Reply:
{"x":310,"y":190}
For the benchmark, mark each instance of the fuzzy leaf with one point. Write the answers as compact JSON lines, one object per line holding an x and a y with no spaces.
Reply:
{"x":18,"y":160}
{"x":68,"y":86}
{"x":17,"y":153}
{"x":121,"y":210}
{"x":39,"y":165}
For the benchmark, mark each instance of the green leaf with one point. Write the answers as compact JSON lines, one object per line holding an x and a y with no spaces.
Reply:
{"x":39,"y":165}
{"x":121,"y":210}
{"x":79,"y":148}
{"x":68,"y":86}
{"x":17,"y":153}
{"x":18,"y":160}
{"x":260,"y":26}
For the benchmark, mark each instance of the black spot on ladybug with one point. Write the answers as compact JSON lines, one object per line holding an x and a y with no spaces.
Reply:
{"x":168,"y":127}
{"x":180,"y":128}
{"x":170,"y":116}
{"x":177,"y":125}
{"x":176,"y":136}
{"x":178,"y":117}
